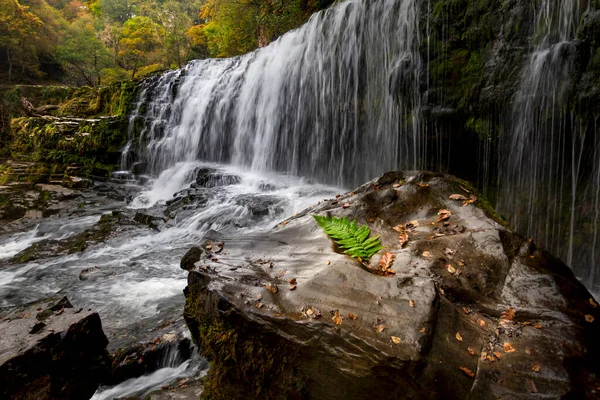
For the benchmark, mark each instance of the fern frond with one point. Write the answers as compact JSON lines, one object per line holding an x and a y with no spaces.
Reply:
{"x":351,"y":238}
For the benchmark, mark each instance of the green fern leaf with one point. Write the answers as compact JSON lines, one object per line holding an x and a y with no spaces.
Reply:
{"x":351,"y":238}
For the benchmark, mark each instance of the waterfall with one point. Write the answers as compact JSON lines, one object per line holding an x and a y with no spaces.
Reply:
{"x":321,"y":101}
{"x":344,"y":98}
{"x":546,"y":183}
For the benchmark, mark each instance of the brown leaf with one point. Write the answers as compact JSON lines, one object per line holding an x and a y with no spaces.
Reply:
{"x":481,"y":322}
{"x":498,"y":355}
{"x":293,"y":286}
{"x":484,"y":355}
{"x":458,"y":197}
{"x":284,"y":223}
{"x":422,"y":330}
{"x":380,"y":328}
{"x":593,"y":303}
{"x":458,"y":337}
{"x":399,"y":228}
{"x":395,"y":339}
{"x":491,"y":358}
{"x":352,"y":316}
{"x":450,"y":268}
{"x":472,"y":199}
{"x":386,"y":261}
{"x":508,"y":348}
{"x":464,"y":309}
{"x":337,"y":318}
{"x":538,"y":325}
{"x":403,"y":238}
{"x":259,"y":304}
{"x":471,"y":351}
{"x":292,"y":281}
{"x":423,"y":185}
{"x":411,"y":302}
{"x":311,"y":312}
{"x":531,"y":388}
{"x":461,"y":263}
{"x":589,"y":318}
{"x":328,"y":262}
{"x":536,"y":367}
{"x":466,"y":190}
{"x":272,"y":288}
{"x":346,"y":205}
{"x":467,"y":372}
{"x":443,"y":215}
{"x":508,"y":314}
{"x":396,"y":185}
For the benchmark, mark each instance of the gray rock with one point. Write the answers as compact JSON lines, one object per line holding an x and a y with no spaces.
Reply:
{"x":63,"y":357}
{"x":467,"y":292}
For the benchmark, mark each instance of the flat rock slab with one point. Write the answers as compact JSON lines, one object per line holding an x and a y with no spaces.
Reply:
{"x":50,"y":350}
{"x":473,"y":311}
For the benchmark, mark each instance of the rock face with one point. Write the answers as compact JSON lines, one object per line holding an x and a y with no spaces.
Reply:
{"x":474,"y":311}
{"x":50,"y":350}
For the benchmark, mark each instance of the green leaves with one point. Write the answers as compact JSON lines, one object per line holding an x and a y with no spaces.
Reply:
{"x":351,"y":238}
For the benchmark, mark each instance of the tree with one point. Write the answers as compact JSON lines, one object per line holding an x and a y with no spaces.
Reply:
{"x":83,"y":55}
{"x":18,"y":28}
{"x":141,"y":40}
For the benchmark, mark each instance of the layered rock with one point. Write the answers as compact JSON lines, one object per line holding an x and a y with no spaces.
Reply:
{"x":473,"y":311}
{"x":50,"y":350}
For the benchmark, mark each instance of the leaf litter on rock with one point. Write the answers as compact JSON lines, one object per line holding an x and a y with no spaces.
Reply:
{"x":337,"y":318}
{"x":352,"y":316}
{"x":459,"y":337}
{"x":467,"y":372}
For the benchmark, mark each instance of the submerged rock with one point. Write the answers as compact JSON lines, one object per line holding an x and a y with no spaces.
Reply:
{"x":63,"y":357}
{"x":473,"y":310}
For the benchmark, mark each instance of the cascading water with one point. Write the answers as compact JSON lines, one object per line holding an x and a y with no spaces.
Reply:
{"x":322,"y":101}
{"x":549,"y":161}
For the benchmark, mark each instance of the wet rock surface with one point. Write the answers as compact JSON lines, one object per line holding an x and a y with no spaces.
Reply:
{"x":51,"y":350}
{"x":473,"y":311}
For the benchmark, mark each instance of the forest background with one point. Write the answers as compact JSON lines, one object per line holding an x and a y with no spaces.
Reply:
{"x":99,"y":42}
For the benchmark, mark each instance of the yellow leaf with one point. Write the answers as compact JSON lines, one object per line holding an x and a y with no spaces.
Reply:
{"x":379,"y":328}
{"x":458,"y":337}
{"x":396,"y":339}
{"x":426,"y":254}
{"x":450,"y":268}
{"x":593,"y":303}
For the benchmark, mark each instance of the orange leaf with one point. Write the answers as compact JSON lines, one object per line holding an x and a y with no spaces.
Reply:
{"x":538,"y":325}
{"x":498,"y":355}
{"x":508,"y":314}
{"x":380,"y":328}
{"x":471,"y":351}
{"x":467,"y":372}
{"x":411,"y":302}
{"x":352,"y":316}
{"x":443,"y":215}
{"x":593,"y":303}
{"x":403,"y":238}
{"x":337,"y":318}
{"x":458,"y":337}
{"x":396,"y":339}
{"x":292,"y":281}
{"x":481,"y":322}
{"x":535,"y":367}
{"x":508,"y":348}
{"x":589,"y":318}
{"x":272,"y":288}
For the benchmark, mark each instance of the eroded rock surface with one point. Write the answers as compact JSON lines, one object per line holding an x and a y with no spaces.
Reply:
{"x":51,"y":350}
{"x":474,"y":311}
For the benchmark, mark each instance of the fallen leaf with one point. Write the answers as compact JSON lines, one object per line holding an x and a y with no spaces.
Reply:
{"x":396,"y":339}
{"x":411,"y":302}
{"x":443,"y":215}
{"x":346,"y":205}
{"x":589,"y":318}
{"x":328,"y":262}
{"x":471,"y":351}
{"x":461,"y":263}
{"x":272,"y":288}
{"x":538,"y":325}
{"x":311,"y":312}
{"x":293,"y":287}
{"x":23,"y":316}
{"x":396,"y":185}
{"x":337,"y":196}
{"x":351,"y":193}
{"x":423,"y":185}
{"x":337,"y":318}
{"x":352,"y":316}
{"x":481,"y":322}
{"x":403,"y":238}
{"x":498,"y":355}
{"x":450,"y":268}
{"x":386,"y":261}
{"x":467,"y":372}
{"x":531,"y":388}
{"x":536,"y":367}
{"x":292,"y":281}
{"x":508,"y":348}
{"x":379,"y":328}
{"x":593,"y":303}
{"x":399,"y":228}
{"x":508,"y":314}
{"x":458,"y":337}
{"x":422,"y":330}
{"x":284,"y":223}
{"x":491,"y":358}
{"x":464,"y":309}
{"x":371,"y":220}
{"x":528,"y":351}
{"x":458,"y":197}
{"x":426,"y":254}
{"x":483,"y":355}
{"x":259,"y":305}
{"x":472,"y":199}
{"x":281,"y":273}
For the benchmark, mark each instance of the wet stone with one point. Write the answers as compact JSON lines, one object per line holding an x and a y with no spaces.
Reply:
{"x":471,"y":308}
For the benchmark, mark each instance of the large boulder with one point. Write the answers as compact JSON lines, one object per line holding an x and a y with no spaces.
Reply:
{"x":473,"y":311}
{"x":50,"y":350}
